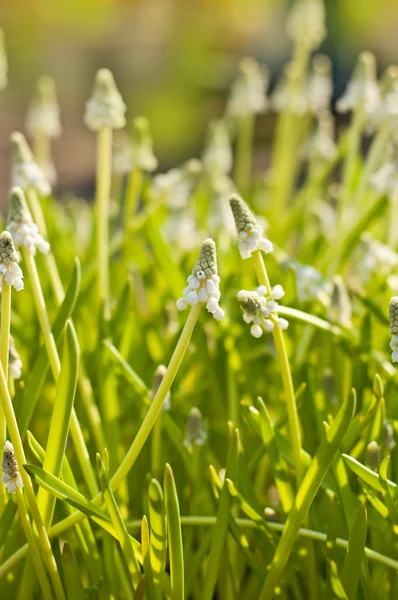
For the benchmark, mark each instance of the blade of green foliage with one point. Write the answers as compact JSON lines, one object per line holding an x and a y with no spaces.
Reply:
{"x":73,"y":582}
{"x":307,"y":492}
{"x":158,"y":537}
{"x":40,"y":369}
{"x":386,"y":492}
{"x":355,"y":553}
{"x":145,"y":544}
{"x":60,"y":420}
{"x":174,"y":535}
{"x":126,"y":370}
{"x":337,"y":586}
{"x":370,"y":477}
{"x":221,"y":526}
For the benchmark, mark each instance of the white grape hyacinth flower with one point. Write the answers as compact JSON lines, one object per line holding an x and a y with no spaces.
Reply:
{"x":362,"y":90}
{"x":11,"y":475}
{"x":260,"y":309}
{"x":203,"y":283}
{"x":10,"y":271}
{"x":25,"y":170}
{"x":251,"y":234}
{"x":15,"y":362}
{"x":43,"y":116}
{"x":105,"y":107}
{"x":22,"y":227}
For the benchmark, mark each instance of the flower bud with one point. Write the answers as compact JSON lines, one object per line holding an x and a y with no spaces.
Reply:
{"x":105,"y":107}
{"x":25,"y":171}
{"x":11,"y":476}
{"x":142,"y":146}
{"x":195,"y":434}
{"x":248,"y":93}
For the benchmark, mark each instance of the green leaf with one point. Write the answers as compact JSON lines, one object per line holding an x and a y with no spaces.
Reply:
{"x":73,"y":582}
{"x":174,"y":535}
{"x":337,"y":586}
{"x":126,"y":370}
{"x":307,"y":492}
{"x":39,"y":371}
{"x":370,"y":477}
{"x":385,"y":490}
{"x":355,"y":553}
{"x":149,"y":582}
{"x":158,"y":537}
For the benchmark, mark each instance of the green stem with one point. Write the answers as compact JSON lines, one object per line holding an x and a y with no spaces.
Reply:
{"x":33,"y":547}
{"x":244,"y":152}
{"x":104,"y":154}
{"x":29,"y":492}
{"x":294,"y":424}
{"x":4,"y":356}
{"x":55,"y":364}
{"x":133,"y":191}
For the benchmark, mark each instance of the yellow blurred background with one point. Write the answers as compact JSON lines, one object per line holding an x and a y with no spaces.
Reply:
{"x":173,"y":61}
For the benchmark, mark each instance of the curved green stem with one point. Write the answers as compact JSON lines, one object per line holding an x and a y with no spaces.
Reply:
{"x":104,"y":154}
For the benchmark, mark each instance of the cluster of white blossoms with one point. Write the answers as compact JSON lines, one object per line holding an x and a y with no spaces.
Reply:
{"x":14,"y":360}
{"x":260,"y":308}
{"x":248,"y":92}
{"x":122,"y":156}
{"x":22,"y":227}
{"x":203,"y":283}
{"x":3,"y":63}
{"x":142,"y":155}
{"x":157,"y":380}
{"x":195,"y":434}
{"x":394,"y":328}
{"x":11,"y":475}
{"x":105,"y":107}
{"x":10,"y":271}
{"x":311,"y":284}
{"x":251,"y":234}
{"x":43,"y":116}
{"x":321,"y":147}
{"x":362,"y":90}
{"x":306,"y":23}
{"x":25,"y":170}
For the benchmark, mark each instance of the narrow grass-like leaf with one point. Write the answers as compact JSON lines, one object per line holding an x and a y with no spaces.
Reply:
{"x":369,"y":476}
{"x":385,"y":490}
{"x":60,"y":420}
{"x":221,"y":526}
{"x":158,"y":537}
{"x":40,"y":369}
{"x":145,"y":544}
{"x":126,"y":370}
{"x":307,"y":492}
{"x":174,"y":535}
{"x":118,"y":523}
{"x":249,"y":510}
{"x":73,"y":582}
{"x":337,"y":586}
{"x":355,"y":553}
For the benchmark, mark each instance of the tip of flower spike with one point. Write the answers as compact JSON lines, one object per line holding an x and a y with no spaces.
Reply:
{"x":366,"y":67}
{"x":143,"y":155}
{"x":43,"y":116}
{"x":18,"y":209}
{"x":206,"y":264}
{"x":394,"y":315}
{"x":8,"y":447}
{"x":8,"y":253}
{"x":20,"y":151}
{"x":244,"y":218}
{"x":105,"y":108}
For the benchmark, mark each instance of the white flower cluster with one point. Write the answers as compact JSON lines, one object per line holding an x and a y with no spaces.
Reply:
{"x":157,"y":380}
{"x":251,"y":234}
{"x":362,"y":90}
{"x":3,"y":63}
{"x":394,"y":327}
{"x":321,"y":147}
{"x":15,"y":362}
{"x":311,"y":285}
{"x":260,"y":308}
{"x":105,"y":108}
{"x":142,"y":155}
{"x":385,"y":179}
{"x":195,"y":434}
{"x":21,"y":226}
{"x":373,"y":257}
{"x":25,"y":171}
{"x":43,"y":116}
{"x":248,"y":92}
{"x":306,"y":23}
{"x":320,"y":86}
{"x":11,"y":476}
{"x":122,"y":153}
{"x":177,"y":185}
{"x":203,"y":283}
{"x":10,"y":271}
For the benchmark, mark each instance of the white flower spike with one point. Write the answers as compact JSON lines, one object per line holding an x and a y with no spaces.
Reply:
{"x":15,"y":362}
{"x":394,"y":327}
{"x":362,"y":91}
{"x":260,"y":309}
{"x":10,"y":271}
{"x":203,"y":283}
{"x":11,"y":476}
{"x":43,"y":116}
{"x":25,"y":171}
{"x":195,"y":434}
{"x":306,"y":23}
{"x":142,"y":146}
{"x":105,"y":108}
{"x":248,"y":93}
{"x":21,"y":226}
{"x":250,"y":233}
{"x":157,"y":380}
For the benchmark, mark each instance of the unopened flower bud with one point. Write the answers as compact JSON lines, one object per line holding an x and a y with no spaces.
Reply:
{"x":105,"y":108}
{"x":25,"y":171}
{"x":11,"y":476}
{"x":142,"y":146}
{"x":43,"y":116}
{"x":157,"y":380}
{"x":195,"y":434}
{"x":372,"y":457}
{"x":21,"y":225}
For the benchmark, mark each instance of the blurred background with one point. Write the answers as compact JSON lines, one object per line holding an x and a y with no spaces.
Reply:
{"x":173,"y":61}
